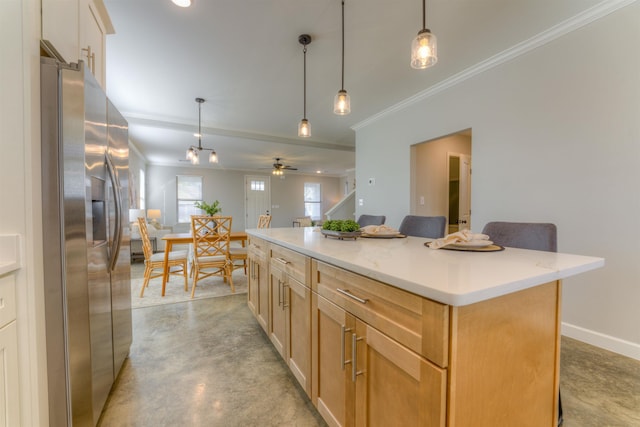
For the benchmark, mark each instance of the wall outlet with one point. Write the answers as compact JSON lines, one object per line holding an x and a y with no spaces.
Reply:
{"x":421,"y":200}
{"x":360,"y":202}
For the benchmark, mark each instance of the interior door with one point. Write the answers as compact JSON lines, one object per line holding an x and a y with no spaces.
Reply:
{"x":257,"y":190}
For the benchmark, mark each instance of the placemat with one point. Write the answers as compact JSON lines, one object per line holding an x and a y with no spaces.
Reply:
{"x":490,"y":248}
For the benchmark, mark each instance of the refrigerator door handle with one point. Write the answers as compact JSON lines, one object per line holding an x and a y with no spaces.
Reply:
{"x":117,"y":239}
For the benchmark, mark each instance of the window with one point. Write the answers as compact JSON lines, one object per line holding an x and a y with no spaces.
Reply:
{"x":257,"y":185}
{"x":189,"y":192}
{"x":312,"y":200}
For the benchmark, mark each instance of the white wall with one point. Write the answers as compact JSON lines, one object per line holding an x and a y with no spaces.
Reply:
{"x":287,"y":195}
{"x":556,"y":137}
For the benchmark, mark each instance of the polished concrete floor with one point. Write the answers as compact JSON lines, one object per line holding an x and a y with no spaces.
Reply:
{"x":208,"y":363}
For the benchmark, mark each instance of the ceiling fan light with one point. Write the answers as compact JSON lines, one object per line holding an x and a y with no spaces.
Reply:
{"x":424,"y":50}
{"x":342,"y":103}
{"x":182,"y":3}
{"x":304,"y":128}
{"x":213,"y":157}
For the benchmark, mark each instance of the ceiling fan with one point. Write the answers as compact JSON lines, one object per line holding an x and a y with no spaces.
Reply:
{"x":279,"y":167}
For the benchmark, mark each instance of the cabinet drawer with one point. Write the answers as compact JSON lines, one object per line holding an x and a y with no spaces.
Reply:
{"x":416,"y":322}
{"x":292,"y":263}
{"x":257,"y":249}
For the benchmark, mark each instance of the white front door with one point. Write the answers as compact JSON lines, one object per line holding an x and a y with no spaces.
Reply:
{"x":257,"y":190}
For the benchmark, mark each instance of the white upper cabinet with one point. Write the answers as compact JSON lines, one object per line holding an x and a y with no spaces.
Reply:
{"x":77,"y":30}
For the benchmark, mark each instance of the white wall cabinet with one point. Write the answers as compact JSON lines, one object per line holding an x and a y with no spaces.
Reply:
{"x":77,"y":30}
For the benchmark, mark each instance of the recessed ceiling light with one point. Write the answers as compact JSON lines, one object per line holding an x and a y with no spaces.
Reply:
{"x":182,"y":3}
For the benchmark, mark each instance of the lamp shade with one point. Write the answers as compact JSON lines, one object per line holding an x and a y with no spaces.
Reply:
{"x":304,"y":128}
{"x":134,"y":214}
{"x":424,"y":50}
{"x":154,"y":214}
{"x":182,"y":3}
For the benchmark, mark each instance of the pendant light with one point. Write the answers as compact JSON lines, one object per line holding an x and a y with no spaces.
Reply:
{"x":193,"y":152}
{"x":342,"y":102}
{"x":304,"y":128}
{"x":424,"y":49}
{"x":182,"y":3}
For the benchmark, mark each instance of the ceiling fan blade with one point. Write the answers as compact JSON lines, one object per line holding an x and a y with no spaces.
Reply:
{"x":289,"y":168}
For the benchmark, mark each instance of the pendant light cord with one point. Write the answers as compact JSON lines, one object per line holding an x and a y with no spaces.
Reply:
{"x":199,"y":125}
{"x":342,"y":84}
{"x":424,"y":15}
{"x":304,"y":107}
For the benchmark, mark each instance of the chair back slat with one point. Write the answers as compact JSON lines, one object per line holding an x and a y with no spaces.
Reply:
{"x":146,"y":242}
{"x":264,"y":221}
{"x":211,"y":235}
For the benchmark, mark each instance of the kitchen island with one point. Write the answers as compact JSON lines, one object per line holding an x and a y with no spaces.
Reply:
{"x":389,"y":332}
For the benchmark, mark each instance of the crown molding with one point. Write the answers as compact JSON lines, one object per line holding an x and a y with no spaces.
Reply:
{"x":578,"y":21}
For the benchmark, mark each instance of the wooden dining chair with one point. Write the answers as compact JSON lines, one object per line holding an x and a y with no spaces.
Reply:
{"x":211,"y":248}
{"x":152,"y":262}
{"x":264,"y":221}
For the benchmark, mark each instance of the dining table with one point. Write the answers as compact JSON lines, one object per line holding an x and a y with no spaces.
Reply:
{"x":186,"y":238}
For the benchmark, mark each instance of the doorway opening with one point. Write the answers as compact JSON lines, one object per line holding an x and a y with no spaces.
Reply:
{"x":441,"y":179}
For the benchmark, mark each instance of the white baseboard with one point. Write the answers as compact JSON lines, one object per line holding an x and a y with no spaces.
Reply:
{"x":625,"y":348}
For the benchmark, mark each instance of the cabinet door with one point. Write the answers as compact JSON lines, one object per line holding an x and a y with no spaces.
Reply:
{"x":277,"y":317}
{"x":332,"y":390}
{"x":252,"y":286}
{"x":262,"y":307}
{"x":394,"y":385}
{"x":298,"y":323}
{"x":60,"y":27}
{"x":92,"y":40}
{"x":9,"y":383}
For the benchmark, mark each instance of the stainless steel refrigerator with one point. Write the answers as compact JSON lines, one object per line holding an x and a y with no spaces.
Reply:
{"x":87,"y":282}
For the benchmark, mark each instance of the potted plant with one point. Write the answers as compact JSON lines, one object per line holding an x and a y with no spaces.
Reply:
{"x":210,"y":209}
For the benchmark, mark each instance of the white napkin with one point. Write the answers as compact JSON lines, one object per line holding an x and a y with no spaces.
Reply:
{"x":457,"y":237}
{"x":378,"y":229}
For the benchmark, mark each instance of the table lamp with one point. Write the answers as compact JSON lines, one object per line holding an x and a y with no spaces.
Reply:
{"x":154,"y":215}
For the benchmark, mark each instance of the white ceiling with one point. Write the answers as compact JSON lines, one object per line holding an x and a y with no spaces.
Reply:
{"x":244,"y":59}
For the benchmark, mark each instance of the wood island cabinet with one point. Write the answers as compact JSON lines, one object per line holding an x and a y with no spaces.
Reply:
{"x":361,"y":376}
{"x":372,"y":354}
{"x":258,"y":280}
{"x":289,"y":326}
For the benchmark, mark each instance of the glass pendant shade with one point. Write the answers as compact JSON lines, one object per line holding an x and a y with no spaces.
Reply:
{"x":304,"y":128}
{"x":190,"y":153}
{"x":213,"y":157}
{"x":182,"y":3}
{"x":342,"y":103}
{"x":195,"y":160}
{"x":424,"y":50}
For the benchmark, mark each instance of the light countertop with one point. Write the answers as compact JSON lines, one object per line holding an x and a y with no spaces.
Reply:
{"x":451,"y":277}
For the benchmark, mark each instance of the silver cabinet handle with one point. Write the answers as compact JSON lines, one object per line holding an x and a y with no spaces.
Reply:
{"x":354,"y":357}
{"x":348,"y":293}
{"x":344,"y":331}
{"x":279,"y":293}
{"x":282,"y":261}
{"x":285,"y":304}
